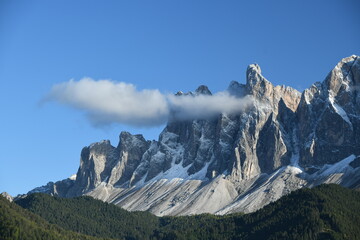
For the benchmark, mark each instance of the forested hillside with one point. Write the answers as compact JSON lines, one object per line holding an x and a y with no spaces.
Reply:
{"x":324,"y":212}
{"x":17,"y":223}
{"x":92,"y":217}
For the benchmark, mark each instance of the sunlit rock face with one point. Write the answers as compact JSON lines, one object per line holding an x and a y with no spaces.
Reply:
{"x":328,"y":116}
{"x":283,"y":140}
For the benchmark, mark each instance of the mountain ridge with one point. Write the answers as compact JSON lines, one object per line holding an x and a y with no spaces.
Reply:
{"x":282,"y":141}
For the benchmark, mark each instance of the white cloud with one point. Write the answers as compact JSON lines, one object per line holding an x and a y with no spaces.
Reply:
{"x":206,"y":106}
{"x":107,"y":102}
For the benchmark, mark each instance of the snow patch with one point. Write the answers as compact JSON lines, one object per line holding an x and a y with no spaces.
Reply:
{"x":294,"y":161}
{"x":177,"y":171}
{"x":339,"y":110}
{"x":73,"y":177}
{"x":293,"y":169}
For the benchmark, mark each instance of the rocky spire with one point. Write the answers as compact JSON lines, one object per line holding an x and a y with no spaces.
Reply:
{"x":257,"y":85}
{"x":265,"y":92}
{"x":202,"y":89}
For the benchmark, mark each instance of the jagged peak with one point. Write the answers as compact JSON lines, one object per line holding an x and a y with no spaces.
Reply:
{"x":181,"y":93}
{"x":346,"y":64}
{"x":234,"y":83}
{"x":254,"y":68}
{"x":202,"y":89}
{"x":128,"y":139}
{"x":125,"y":134}
{"x":344,"y":75}
{"x":102,"y":142}
{"x":236,"y":89}
{"x":256,"y":84}
{"x":254,"y":76}
{"x":349,"y":59}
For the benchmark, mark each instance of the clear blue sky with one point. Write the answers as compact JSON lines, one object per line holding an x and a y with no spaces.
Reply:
{"x":166,"y":45}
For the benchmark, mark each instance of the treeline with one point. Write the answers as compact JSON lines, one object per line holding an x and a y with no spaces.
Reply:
{"x":324,"y":212}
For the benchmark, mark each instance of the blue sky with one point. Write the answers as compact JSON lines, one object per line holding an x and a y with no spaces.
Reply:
{"x":162,"y":45}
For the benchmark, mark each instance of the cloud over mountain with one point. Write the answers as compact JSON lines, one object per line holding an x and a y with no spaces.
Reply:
{"x":187,"y":107}
{"x":107,"y":102}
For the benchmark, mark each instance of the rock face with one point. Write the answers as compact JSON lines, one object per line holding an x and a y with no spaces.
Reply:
{"x":7,"y":196}
{"x":284,"y":141}
{"x":328,"y":116}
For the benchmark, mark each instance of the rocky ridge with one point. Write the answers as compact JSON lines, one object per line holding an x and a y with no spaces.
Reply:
{"x":283,"y":141}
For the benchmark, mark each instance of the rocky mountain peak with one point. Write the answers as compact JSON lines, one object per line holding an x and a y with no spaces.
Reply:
{"x":202,"y":89}
{"x":257,"y":85}
{"x":344,"y":76}
{"x":254,"y":76}
{"x":237,"y":89}
{"x":266,"y":93}
{"x":236,"y":162}
{"x":254,"y":68}
{"x":127,"y":139}
{"x":328,"y":115}
{"x":101,"y":147}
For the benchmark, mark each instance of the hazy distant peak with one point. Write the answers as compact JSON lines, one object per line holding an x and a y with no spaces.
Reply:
{"x":202,"y":89}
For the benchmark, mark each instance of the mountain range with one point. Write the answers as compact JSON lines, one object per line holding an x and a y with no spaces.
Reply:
{"x":282,"y":141}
